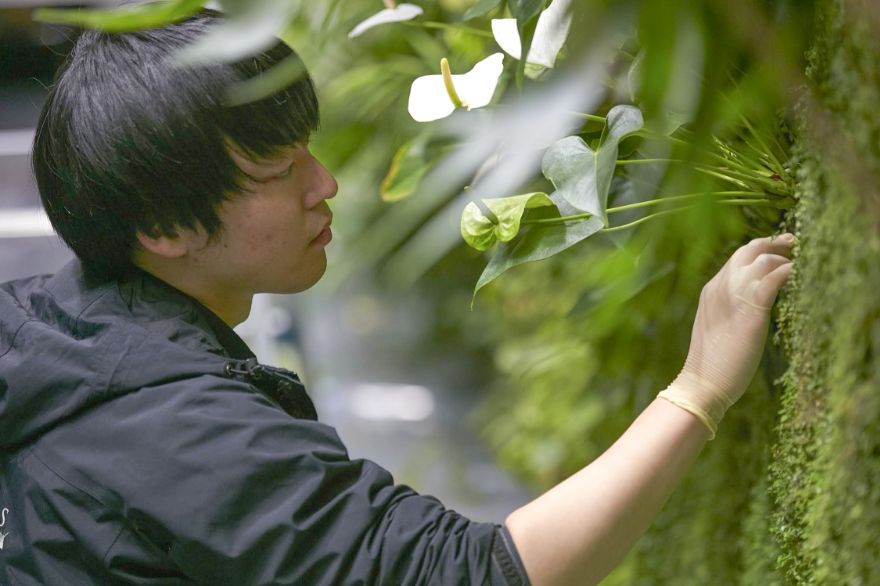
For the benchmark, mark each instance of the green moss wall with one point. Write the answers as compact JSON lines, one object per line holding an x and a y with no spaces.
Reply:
{"x":789,"y":492}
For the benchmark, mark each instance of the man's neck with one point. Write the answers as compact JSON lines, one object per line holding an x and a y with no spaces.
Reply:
{"x":227,"y":303}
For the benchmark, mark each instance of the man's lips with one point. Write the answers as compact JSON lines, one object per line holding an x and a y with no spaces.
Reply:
{"x":325,"y":235}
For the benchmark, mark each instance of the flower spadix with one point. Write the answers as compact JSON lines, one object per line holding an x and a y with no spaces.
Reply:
{"x":550,"y":34}
{"x":392,"y":13}
{"x":437,"y":96}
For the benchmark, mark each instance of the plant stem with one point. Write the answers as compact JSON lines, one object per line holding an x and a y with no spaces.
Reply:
{"x":681,"y":209}
{"x":592,"y":117}
{"x":720,"y":158}
{"x":744,"y":175}
{"x":767,"y":150}
{"x":734,"y":174}
{"x":749,"y":201}
{"x":687,"y":196}
{"x":646,"y":203}
{"x":645,"y":219}
{"x":448,"y":26}
{"x":723,"y":177}
{"x":648,"y":161}
{"x":719,"y":172}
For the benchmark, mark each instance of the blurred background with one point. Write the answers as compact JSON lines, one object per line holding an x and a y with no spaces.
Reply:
{"x":485,"y":407}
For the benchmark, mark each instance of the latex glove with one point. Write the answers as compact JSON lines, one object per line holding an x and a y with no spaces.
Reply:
{"x":730,"y":329}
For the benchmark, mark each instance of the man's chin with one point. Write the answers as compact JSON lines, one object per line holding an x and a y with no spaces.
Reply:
{"x":302,"y":282}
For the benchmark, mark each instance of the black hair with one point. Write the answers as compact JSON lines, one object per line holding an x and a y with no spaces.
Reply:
{"x":130,"y":141}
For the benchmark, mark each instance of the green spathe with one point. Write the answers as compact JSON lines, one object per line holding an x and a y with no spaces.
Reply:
{"x":582,"y":176}
{"x":481,"y":231}
{"x":537,"y":242}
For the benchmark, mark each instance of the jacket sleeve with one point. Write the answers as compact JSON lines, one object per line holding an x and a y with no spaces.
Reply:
{"x":241,"y":493}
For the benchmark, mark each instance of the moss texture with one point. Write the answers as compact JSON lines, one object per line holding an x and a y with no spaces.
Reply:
{"x":789,"y":492}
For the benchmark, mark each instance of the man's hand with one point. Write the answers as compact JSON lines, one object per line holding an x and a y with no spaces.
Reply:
{"x":730,"y":329}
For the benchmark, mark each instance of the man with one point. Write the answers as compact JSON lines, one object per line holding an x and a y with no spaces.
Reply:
{"x":142,"y":442}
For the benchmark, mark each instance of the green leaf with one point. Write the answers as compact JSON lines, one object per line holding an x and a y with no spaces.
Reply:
{"x":412,"y":161}
{"x":408,"y":166}
{"x":503,"y":221}
{"x":537,"y":242}
{"x":582,"y":175}
{"x":124,"y":18}
{"x":526,"y":13}
{"x":481,"y":8}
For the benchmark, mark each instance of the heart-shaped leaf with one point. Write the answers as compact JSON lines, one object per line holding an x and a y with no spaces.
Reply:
{"x":481,"y":8}
{"x":503,"y":221}
{"x":536,"y":242}
{"x":582,"y":176}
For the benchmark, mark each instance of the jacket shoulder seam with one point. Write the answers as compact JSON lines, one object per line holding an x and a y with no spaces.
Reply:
{"x":85,"y":308}
{"x":15,"y":336}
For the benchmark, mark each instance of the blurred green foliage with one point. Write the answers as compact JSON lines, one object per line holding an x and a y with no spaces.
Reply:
{"x":789,"y":491}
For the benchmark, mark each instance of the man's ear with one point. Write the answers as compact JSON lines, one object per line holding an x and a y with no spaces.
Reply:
{"x":168,"y":246}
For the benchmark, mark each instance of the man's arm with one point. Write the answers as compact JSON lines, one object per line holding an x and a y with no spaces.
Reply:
{"x":579,"y":530}
{"x":582,"y":528}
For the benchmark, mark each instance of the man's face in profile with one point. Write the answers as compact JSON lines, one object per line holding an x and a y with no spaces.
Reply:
{"x":272,"y":235}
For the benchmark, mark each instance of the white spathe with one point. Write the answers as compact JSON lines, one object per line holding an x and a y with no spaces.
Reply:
{"x":399,"y":13}
{"x":550,"y":34}
{"x":429,"y":100}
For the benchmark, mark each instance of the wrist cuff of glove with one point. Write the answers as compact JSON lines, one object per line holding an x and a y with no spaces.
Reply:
{"x":688,"y":405}
{"x":696,"y":395}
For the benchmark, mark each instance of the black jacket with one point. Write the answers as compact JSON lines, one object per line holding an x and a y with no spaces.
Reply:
{"x":141,"y":443}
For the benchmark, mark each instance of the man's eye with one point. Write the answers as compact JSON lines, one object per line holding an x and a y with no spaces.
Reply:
{"x":286,"y":172}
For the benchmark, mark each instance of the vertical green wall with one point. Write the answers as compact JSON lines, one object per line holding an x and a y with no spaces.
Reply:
{"x":789,"y":492}
{"x":825,"y":474}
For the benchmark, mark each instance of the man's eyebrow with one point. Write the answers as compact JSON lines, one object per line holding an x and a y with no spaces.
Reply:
{"x":284,"y":155}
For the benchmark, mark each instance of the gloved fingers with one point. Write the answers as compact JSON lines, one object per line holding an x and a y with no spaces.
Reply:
{"x":769,"y":286}
{"x":746,"y":254}
{"x":763,"y":265}
{"x":756,"y":284}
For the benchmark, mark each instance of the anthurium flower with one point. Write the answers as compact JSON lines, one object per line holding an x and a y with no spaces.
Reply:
{"x":502,"y":224}
{"x":550,"y":34}
{"x":392,"y":13}
{"x":437,"y":96}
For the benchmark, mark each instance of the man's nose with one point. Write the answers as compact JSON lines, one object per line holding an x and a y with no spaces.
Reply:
{"x":331,"y":187}
{"x":324,"y":186}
